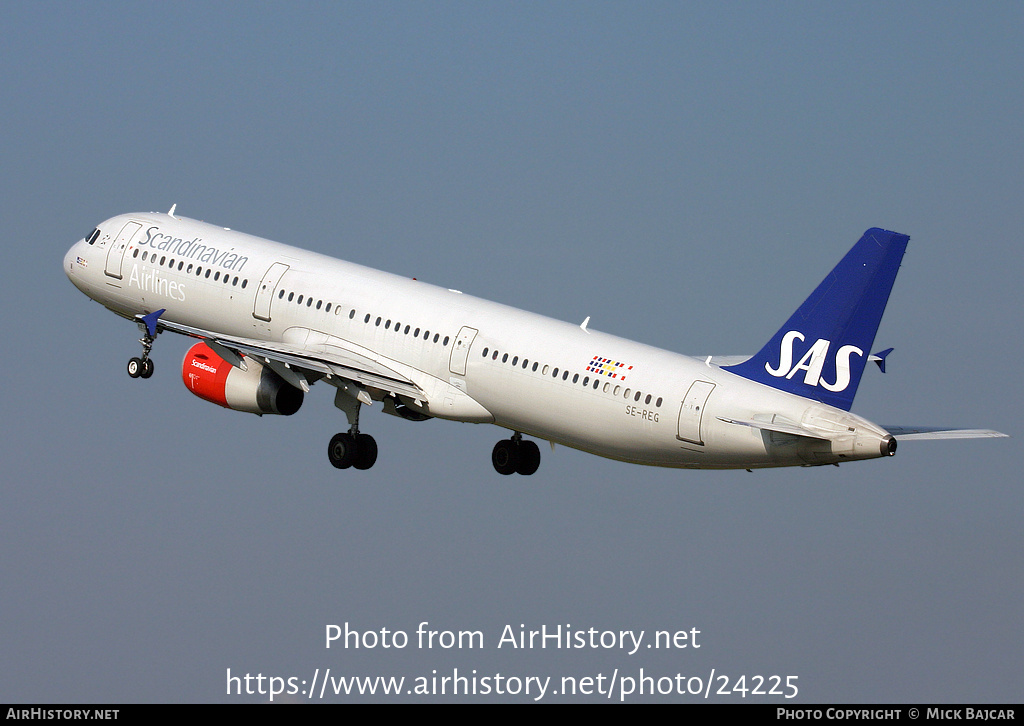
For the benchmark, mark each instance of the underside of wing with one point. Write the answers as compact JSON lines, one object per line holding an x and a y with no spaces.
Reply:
{"x":329,"y":357}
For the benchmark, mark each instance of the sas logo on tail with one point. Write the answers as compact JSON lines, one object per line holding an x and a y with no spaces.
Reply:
{"x":813,"y":361}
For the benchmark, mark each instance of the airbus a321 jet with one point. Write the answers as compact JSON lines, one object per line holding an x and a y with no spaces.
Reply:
{"x":271,"y":320}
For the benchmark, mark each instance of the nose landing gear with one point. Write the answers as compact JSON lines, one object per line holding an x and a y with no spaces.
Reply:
{"x":143,"y":367}
{"x":140,"y":367}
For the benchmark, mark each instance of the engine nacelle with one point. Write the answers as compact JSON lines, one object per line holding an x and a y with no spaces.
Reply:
{"x":257,"y":390}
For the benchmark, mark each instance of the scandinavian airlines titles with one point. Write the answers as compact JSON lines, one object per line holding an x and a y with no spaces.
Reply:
{"x":193,"y":249}
{"x":150,"y":280}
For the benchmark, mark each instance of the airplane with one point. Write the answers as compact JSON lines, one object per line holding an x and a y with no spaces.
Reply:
{"x":271,"y":320}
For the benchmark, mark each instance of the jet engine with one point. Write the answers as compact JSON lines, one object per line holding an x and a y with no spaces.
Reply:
{"x":256,"y":390}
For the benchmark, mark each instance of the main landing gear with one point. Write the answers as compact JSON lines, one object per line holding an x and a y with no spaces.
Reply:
{"x":515,"y":456}
{"x":143,"y":367}
{"x":352,"y":449}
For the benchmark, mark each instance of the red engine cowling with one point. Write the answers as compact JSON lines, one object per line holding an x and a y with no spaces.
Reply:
{"x":257,"y":390}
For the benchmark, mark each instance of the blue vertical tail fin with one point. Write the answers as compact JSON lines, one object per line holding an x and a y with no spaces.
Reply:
{"x":821,"y":351}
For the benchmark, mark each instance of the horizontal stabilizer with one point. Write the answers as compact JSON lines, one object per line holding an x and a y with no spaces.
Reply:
{"x":910,"y":433}
{"x":778,"y":427}
{"x":722,"y":361}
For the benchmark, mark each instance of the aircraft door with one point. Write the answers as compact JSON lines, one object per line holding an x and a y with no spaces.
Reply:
{"x":692,"y":410}
{"x":115,"y":255}
{"x":265,"y":292}
{"x":460,"y":351}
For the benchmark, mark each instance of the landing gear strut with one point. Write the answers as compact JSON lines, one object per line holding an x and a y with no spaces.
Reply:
{"x":515,"y":456}
{"x":143,"y":367}
{"x":352,"y":448}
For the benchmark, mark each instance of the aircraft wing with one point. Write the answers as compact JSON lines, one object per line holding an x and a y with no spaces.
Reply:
{"x":322,"y":356}
{"x":910,"y":433}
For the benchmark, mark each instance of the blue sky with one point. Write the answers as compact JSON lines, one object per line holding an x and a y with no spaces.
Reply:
{"x":684,"y":174}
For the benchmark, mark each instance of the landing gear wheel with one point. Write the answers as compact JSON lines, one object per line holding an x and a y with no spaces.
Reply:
{"x":147,"y":368}
{"x":136,"y":367}
{"x":529,"y":458}
{"x":505,"y":457}
{"x":366,"y":451}
{"x":342,"y":450}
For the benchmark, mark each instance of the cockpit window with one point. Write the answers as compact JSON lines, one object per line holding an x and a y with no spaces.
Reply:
{"x":93,"y":235}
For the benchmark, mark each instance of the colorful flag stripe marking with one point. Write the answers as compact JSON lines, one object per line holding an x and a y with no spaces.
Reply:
{"x":608,"y":367}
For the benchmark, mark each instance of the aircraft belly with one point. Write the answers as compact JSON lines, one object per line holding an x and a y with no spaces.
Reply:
{"x":581,"y":419}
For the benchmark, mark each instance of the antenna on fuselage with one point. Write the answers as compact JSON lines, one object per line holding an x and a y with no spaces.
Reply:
{"x":171,"y":212}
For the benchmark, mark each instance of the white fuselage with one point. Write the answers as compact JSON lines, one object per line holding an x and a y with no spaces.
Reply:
{"x":475,"y":360}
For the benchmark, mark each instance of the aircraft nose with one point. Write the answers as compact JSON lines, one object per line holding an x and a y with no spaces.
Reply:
{"x":74,"y":263}
{"x":69,"y":259}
